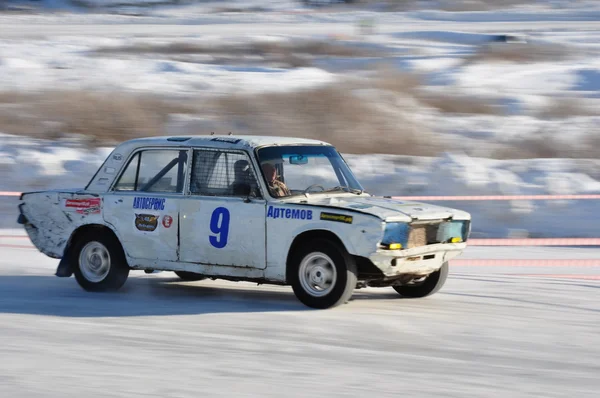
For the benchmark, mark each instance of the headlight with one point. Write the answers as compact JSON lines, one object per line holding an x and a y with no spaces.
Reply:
{"x":453,"y":230}
{"x":395,"y":233}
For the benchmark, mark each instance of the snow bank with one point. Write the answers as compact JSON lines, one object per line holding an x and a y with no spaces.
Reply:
{"x":440,"y":51}
{"x":67,"y":63}
{"x":28,"y":164}
{"x":460,"y":175}
{"x":32,"y":164}
{"x":585,"y":12}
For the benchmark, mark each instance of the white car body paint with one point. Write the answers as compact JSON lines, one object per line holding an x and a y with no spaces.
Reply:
{"x":185,"y":232}
{"x":145,"y":233}
{"x":359,"y":238}
{"x":242,"y":246}
{"x":56,"y":216}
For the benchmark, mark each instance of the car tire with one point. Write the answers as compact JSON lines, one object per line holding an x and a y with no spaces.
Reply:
{"x":99,"y":262}
{"x":189,"y":276}
{"x":322,"y":274}
{"x":429,"y":286}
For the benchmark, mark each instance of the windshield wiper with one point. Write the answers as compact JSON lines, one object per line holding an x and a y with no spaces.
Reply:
{"x":345,"y":189}
{"x":334,"y":189}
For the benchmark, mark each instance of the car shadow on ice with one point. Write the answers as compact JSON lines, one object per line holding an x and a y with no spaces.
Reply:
{"x":148,"y":296}
{"x":49,"y":295}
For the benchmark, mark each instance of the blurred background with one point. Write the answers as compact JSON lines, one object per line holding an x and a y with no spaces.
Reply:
{"x":422,"y":97}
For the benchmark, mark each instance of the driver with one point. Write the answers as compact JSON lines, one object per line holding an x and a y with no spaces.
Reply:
{"x":276,"y":187}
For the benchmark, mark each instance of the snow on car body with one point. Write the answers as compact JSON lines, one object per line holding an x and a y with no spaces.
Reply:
{"x":205,"y":206}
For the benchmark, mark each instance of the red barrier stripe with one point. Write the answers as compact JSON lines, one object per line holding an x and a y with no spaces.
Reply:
{"x":482,"y":242}
{"x":17,"y":246}
{"x":535,"y":242}
{"x":505,"y":262}
{"x":474,"y":198}
{"x":472,"y":262}
{"x":501,"y":197}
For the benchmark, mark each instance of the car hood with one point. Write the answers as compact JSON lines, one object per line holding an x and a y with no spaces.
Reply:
{"x":387,"y":209}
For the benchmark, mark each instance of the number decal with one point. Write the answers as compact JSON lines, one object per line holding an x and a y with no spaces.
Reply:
{"x":220,"y":229}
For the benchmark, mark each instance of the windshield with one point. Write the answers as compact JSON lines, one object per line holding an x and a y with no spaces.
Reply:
{"x":296,"y":170}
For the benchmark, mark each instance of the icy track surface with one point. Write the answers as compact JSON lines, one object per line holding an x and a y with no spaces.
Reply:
{"x":486,"y":334}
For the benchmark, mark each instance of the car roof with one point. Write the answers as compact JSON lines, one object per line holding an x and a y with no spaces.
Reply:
{"x":219,"y":141}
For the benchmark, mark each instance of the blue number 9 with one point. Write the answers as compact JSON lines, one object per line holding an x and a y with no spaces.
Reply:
{"x":220,"y":229}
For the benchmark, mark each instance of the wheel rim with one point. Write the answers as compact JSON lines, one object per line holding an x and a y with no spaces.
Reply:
{"x":318,"y":275}
{"x":94,"y":261}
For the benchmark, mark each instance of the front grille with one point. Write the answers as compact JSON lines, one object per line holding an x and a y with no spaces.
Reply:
{"x":417,"y":236}
{"x":421,"y":233}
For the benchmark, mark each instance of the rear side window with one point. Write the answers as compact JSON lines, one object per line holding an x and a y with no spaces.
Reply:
{"x":223,"y":173}
{"x":155,"y":170}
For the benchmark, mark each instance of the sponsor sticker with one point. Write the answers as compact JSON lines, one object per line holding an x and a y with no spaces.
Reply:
{"x":146,"y":222}
{"x":84,"y":206}
{"x":144,"y":203}
{"x":294,"y":214}
{"x":167,"y":221}
{"x":336,"y":217}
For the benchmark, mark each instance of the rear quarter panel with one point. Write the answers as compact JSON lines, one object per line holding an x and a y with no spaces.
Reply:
{"x":53,"y":216}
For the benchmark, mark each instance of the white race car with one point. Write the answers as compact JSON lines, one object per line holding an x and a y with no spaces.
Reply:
{"x":264,"y":209}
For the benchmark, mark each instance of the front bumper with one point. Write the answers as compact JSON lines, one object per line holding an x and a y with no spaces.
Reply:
{"x":421,"y":260}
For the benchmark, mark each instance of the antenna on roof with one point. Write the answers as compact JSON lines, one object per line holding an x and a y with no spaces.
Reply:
{"x":212,"y":133}
{"x":230,"y":133}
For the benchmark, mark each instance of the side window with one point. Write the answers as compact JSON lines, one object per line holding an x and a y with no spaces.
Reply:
{"x":221,"y":173}
{"x":127,"y":180}
{"x":161,"y":170}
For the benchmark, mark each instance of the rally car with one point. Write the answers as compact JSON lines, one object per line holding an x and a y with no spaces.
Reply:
{"x":271,"y":210}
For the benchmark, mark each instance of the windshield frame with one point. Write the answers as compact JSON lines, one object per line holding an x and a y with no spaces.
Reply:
{"x":343,"y":168}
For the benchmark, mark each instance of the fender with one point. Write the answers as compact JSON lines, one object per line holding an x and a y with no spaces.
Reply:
{"x":65,"y":266}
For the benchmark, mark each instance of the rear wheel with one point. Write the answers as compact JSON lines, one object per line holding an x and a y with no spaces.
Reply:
{"x":189,"y":276}
{"x":429,"y":286}
{"x":322,"y":274}
{"x":99,"y":262}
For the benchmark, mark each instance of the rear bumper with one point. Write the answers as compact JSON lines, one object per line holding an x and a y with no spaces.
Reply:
{"x":416,"y":261}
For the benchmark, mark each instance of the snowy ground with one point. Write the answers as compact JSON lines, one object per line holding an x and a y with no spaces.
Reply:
{"x":489,"y":332}
{"x":41,"y":52}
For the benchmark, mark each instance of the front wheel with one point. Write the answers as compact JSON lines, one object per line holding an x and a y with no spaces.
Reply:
{"x":429,"y":286}
{"x":322,"y":274}
{"x":100,"y":263}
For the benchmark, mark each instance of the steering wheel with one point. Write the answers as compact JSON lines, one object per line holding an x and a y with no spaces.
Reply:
{"x":313,"y":185}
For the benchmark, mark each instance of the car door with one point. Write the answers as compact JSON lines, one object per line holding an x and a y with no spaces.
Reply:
{"x":143,"y":204}
{"x":223,"y":217}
